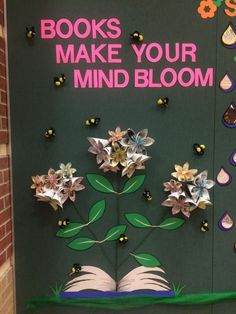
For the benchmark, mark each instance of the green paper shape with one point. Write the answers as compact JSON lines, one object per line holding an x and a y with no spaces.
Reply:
{"x":138,"y":220}
{"x":81,"y":244}
{"x":218,"y":3}
{"x":115,"y":232}
{"x":96,"y":211}
{"x":171,"y":223}
{"x":70,"y":231}
{"x":100,"y":183}
{"x":133,"y":184}
{"x":146,"y":260}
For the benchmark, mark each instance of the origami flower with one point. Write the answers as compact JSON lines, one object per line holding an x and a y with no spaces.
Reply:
{"x":71,"y":186}
{"x":207,"y":9}
{"x":66,"y":171}
{"x":98,"y":148}
{"x":119,"y":155}
{"x":116,"y":135}
{"x":201,"y":186}
{"x":179,"y":203}
{"x":38,"y":183}
{"x":54,"y":198}
{"x":136,"y":162}
{"x":106,"y":166}
{"x":52,"y":180}
{"x":184,"y":173}
{"x":173,"y":186}
{"x":136,"y":143}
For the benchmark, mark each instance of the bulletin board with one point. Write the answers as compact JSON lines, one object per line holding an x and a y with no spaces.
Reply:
{"x":54,"y":86}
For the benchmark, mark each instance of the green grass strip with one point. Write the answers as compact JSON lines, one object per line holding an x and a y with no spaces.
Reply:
{"x":127,"y":302}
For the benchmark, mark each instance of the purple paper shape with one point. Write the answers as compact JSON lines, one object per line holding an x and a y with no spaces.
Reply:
{"x":228,"y":37}
{"x":229,"y":116}
{"x":226,"y":222}
{"x":223,"y":178}
{"x":232,"y":158}
{"x":227,"y":79}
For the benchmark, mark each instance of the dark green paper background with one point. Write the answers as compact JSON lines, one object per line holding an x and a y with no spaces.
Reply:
{"x":201,"y":262}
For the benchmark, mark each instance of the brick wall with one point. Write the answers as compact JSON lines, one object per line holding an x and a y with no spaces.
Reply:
{"x":6,"y":266}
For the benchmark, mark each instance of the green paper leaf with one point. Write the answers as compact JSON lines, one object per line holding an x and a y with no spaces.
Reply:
{"x":218,"y":3}
{"x":115,"y":232}
{"x":171,"y":223}
{"x":81,"y":244}
{"x":146,"y":260}
{"x":138,"y":220}
{"x":100,"y":183}
{"x":96,"y":211}
{"x":133,"y":184}
{"x":69,"y":231}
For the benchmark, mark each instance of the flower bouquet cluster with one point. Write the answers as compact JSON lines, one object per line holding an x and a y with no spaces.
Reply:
{"x":57,"y":186}
{"x":189,"y":191}
{"x":125,"y":149}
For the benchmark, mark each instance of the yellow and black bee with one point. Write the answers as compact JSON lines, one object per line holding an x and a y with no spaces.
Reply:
{"x":92,"y":121}
{"x":50,"y":133}
{"x":62,"y":223}
{"x":59,"y":81}
{"x":76,"y":268}
{"x":204,"y":226}
{"x":147,"y":195}
{"x":123,"y":238}
{"x":136,"y":36}
{"x":30,"y":32}
{"x":199,"y":149}
{"x":163,"y":102}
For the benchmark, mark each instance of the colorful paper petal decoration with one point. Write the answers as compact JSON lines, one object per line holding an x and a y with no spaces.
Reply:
{"x":229,"y":117}
{"x":226,"y":222}
{"x":227,"y":83}
{"x":232,"y":158}
{"x":228,"y":38}
{"x":223,"y":178}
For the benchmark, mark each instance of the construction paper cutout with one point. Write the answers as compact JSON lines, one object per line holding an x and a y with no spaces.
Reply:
{"x":204,"y":226}
{"x":232,"y":158}
{"x":123,"y":238}
{"x":199,"y":149}
{"x":228,"y":37}
{"x":30,"y":32}
{"x":223,"y":178}
{"x":140,"y":278}
{"x":50,"y":133}
{"x":60,"y":80}
{"x":75,"y":269}
{"x":147,"y":194}
{"x":229,"y":117}
{"x":226,"y":222}
{"x":207,"y":9}
{"x":137,"y":37}
{"x":227,"y":83}
{"x":92,"y":121}
{"x":146,"y":260}
{"x":133,"y":184}
{"x":163,"y":102}
{"x":235,"y":247}
{"x":218,"y":3}
{"x":100,"y":183}
{"x":62,"y":223}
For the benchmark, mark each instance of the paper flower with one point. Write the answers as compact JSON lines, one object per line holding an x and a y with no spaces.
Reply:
{"x":184,"y":173}
{"x":136,"y":162}
{"x":54,"y":198}
{"x":38,"y":183}
{"x":179,"y":203}
{"x":106,"y":166}
{"x":71,"y":186}
{"x":98,"y":148}
{"x":136,"y":143}
{"x":173,"y":186}
{"x":52,"y":179}
{"x":116,"y":135}
{"x":201,"y":186}
{"x":118,"y":155}
{"x":207,"y":9}
{"x":66,"y":171}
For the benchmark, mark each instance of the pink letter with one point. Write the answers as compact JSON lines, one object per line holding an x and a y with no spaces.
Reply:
{"x":116,"y":29}
{"x":176,"y":57}
{"x":82,"y":54}
{"x":95,"y":53}
{"x":159,"y":52}
{"x":204,"y":80}
{"x":61,"y":56}
{"x":139,"y":52}
{"x":83,"y":82}
{"x":141,"y":78}
{"x":191,"y":78}
{"x":87,"y":26}
{"x":112,"y":50}
{"x":191,"y":52}
{"x":125,"y":74}
{"x":96,"y":28}
{"x":163,"y":79}
{"x":47,"y":29}
{"x":69,"y":25}
{"x":103,"y":78}
{"x":151,"y":83}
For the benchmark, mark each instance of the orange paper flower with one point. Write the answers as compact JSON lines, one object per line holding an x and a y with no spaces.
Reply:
{"x":207,"y":9}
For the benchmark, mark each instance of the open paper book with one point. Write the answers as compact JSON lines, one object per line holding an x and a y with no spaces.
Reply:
{"x":139,"y":279}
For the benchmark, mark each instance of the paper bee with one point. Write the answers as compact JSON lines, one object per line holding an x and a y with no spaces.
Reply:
{"x":62,"y":223}
{"x":147,"y":195}
{"x":30,"y":32}
{"x":92,"y":121}
{"x":123,"y":238}
{"x":59,"y":81}
{"x":136,"y":36}
{"x":204,"y":226}
{"x":50,"y":133}
{"x":76,"y":268}
{"x":199,"y":149}
{"x":163,"y":102}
